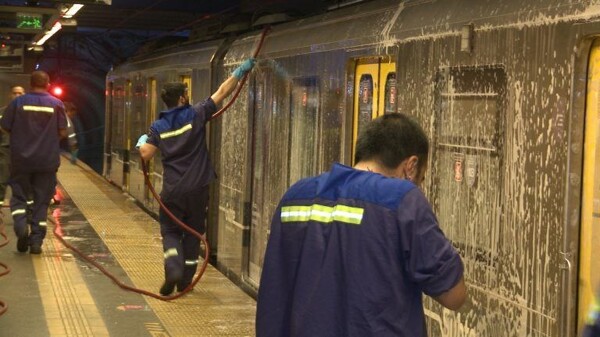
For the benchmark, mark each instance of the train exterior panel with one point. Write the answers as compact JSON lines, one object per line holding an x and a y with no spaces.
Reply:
{"x":507,"y":92}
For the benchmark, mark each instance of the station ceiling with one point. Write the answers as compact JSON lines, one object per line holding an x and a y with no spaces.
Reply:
{"x":26,"y":22}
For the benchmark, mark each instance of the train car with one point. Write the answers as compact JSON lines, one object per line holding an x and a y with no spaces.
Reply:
{"x":508,"y":92}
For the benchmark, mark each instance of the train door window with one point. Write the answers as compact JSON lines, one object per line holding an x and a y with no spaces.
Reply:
{"x":108,"y":118}
{"x":390,"y":94}
{"x":119,"y":116}
{"x":153,"y":106}
{"x":467,"y":190}
{"x":303,"y":128}
{"x":375,"y":92}
{"x":589,"y":241}
{"x":138,"y":110}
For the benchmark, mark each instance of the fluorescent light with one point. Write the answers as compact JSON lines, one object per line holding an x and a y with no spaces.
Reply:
{"x":57,"y":26}
{"x":72,"y":11}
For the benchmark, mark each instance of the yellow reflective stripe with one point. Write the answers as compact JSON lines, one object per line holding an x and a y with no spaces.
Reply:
{"x":43,"y":224}
{"x":38,"y":108}
{"x":170,"y":252}
{"x":191,"y":262}
{"x":177,"y":132}
{"x":321,"y":213}
{"x":19,"y":211}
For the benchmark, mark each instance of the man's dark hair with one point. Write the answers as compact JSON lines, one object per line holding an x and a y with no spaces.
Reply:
{"x":390,"y":139}
{"x":39,"y":79}
{"x":171,"y":92}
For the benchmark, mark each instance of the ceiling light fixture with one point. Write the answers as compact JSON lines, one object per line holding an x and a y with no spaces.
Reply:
{"x":57,"y":26}
{"x":72,"y":11}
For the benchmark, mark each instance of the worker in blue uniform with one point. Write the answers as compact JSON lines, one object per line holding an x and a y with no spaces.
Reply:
{"x":180,"y":135}
{"x":351,"y":251}
{"x":36,"y":121}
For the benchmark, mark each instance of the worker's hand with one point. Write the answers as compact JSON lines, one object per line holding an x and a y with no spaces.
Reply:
{"x":74,"y":155}
{"x":141,"y":141}
{"x":244,"y":68}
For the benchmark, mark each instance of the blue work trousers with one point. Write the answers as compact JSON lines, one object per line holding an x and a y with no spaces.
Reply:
{"x":180,"y":247}
{"x":41,"y":186}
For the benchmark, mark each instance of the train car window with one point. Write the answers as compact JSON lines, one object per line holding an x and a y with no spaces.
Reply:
{"x":138,"y":111}
{"x":390,"y":93}
{"x":365,"y":101}
{"x":303,"y":128}
{"x":118,"y":119}
{"x":467,"y":165}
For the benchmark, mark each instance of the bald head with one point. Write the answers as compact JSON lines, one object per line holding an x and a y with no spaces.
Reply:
{"x":39,"y":80}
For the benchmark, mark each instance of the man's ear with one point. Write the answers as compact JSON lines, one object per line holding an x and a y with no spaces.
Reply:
{"x":412,"y":167}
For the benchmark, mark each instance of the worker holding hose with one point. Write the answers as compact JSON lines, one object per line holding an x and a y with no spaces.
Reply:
{"x":180,"y":134}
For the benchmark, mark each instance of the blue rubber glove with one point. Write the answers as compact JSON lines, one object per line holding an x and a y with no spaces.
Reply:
{"x":244,"y":68}
{"x":141,"y":141}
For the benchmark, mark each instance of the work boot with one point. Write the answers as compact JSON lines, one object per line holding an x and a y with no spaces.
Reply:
{"x":167,"y":288}
{"x":23,"y":243}
{"x":35,"y":249}
{"x":182,"y":285}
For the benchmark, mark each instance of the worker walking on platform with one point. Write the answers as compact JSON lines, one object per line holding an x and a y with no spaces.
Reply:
{"x":180,"y":135}
{"x":351,"y":251}
{"x":15,"y":92}
{"x":36,"y":121}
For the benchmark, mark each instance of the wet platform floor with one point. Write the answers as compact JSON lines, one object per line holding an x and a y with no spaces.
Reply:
{"x":59,"y":294}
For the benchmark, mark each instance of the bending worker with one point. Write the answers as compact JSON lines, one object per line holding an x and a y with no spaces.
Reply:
{"x":36,"y":122}
{"x":352,"y":250}
{"x":180,"y":135}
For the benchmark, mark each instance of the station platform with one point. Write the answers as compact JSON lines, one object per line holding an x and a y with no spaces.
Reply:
{"x":57,"y":293}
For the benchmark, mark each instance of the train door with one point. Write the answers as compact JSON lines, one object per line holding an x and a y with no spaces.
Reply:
{"x":137,"y":126}
{"x":375,"y":92}
{"x":127,"y":133}
{"x":589,"y":276}
{"x":117,"y":135}
{"x":285,"y":149}
{"x":108,"y":129}
{"x":269,"y":125}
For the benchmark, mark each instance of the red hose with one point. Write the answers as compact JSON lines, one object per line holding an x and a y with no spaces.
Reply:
{"x":243,"y":81}
{"x":3,"y":306}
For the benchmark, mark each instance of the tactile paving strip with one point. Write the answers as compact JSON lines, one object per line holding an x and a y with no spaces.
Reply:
{"x":215,"y":308}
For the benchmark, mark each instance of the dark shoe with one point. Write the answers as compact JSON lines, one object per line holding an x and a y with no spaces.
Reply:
{"x":23,"y":244}
{"x":167,"y":288}
{"x":35,"y":249}
{"x":181,"y":286}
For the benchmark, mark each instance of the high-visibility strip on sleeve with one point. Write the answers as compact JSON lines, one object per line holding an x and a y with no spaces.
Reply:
{"x":38,"y":108}
{"x":177,"y":132}
{"x":321,"y":213}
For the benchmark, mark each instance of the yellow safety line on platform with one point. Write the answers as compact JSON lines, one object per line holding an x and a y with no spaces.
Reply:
{"x":216,"y":307}
{"x":68,"y":304}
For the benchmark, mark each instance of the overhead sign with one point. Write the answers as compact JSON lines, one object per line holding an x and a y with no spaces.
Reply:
{"x":29,"y":21}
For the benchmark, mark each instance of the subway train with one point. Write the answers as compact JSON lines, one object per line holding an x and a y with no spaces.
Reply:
{"x":508,"y":92}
